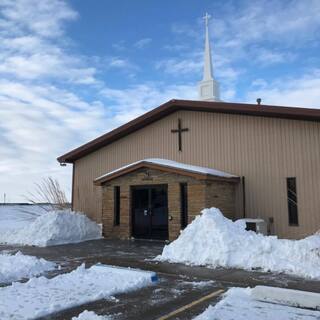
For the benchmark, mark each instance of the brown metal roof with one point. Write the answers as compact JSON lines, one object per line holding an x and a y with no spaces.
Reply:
{"x":190,"y":105}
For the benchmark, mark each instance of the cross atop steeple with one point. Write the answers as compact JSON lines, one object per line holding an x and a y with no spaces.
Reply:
{"x":208,"y":87}
{"x":206,"y":18}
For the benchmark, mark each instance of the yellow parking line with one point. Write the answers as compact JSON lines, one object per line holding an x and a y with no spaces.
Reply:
{"x":192,"y":304}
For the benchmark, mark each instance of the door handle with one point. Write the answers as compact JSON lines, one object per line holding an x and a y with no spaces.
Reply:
{"x":145,"y":212}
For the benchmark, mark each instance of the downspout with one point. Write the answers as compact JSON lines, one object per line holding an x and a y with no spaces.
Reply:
{"x":243,"y":196}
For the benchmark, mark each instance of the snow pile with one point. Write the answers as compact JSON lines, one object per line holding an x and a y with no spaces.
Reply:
{"x":19,"y":266}
{"x":90,"y":315}
{"x":41,"y":296}
{"x":239,"y":304}
{"x":211,"y":239}
{"x":53,"y":228}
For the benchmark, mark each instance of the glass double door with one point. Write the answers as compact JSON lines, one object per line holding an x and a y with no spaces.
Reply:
{"x":150,"y":212}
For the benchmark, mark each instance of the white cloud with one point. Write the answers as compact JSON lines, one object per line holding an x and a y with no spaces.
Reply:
{"x":37,"y":124}
{"x":119,"y":46}
{"x":267,"y":21}
{"x":41,"y":65}
{"x":137,"y":99}
{"x":266,"y":57}
{"x":120,"y":63}
{"x":185,"y":30}
{"x":176,"y":47}
{"x":31,"y":45}
{"x":289,"y":91}
{"x":40,"y":120}
{"x":178,"y":67}
{"x":192,"y":65}
{"x":44,"y":18}
{"x":142,"y":43}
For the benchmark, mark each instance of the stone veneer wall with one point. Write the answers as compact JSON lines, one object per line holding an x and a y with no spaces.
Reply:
{"x":201,"y":194}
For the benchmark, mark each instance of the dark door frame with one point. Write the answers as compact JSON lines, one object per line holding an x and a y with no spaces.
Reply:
{"x":149,"y":187}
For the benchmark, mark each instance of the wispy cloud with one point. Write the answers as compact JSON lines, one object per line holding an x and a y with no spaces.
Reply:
{"x":289,"y":91}
{"x":137,"y":99}
{"x":142,"y":43}
{"x":42,"y":18}
{"x":178,"y":67}
{"x":267,"y":57}
{"x":287,"y":22}
{"x":119,"y":46}
{"x":120,"y":63}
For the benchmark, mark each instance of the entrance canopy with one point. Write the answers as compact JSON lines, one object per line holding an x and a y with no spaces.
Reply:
{"x":200,"y":173}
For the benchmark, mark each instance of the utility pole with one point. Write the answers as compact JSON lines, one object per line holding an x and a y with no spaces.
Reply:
{"x":4,"y":198}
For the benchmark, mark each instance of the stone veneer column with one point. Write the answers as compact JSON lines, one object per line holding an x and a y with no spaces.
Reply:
{"x":174,"y":210}
{"x":107,"y":211}
{"x":125,"y":212}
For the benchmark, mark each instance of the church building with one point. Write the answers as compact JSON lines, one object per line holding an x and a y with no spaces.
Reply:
{"x":150,"y":177}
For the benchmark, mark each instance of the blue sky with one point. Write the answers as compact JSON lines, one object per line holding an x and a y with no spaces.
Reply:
{"x":72,"y":70}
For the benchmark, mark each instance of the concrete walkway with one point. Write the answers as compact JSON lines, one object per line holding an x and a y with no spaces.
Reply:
{"x":179,"y":285}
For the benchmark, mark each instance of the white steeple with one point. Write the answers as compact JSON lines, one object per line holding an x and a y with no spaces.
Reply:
{"x":208,"y":87}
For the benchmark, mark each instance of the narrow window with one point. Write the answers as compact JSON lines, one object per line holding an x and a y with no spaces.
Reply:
{"x":116,"y":192}
{"x":292,"y":201}
{"x":184,"y":204}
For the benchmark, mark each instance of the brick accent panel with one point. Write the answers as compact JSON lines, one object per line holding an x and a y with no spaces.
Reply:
{"x":222,"y":195}
{"x":200,"y":195}
{"x":196,"y":200}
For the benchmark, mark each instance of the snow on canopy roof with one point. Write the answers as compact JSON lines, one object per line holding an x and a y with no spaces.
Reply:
{"x":172,"y":165}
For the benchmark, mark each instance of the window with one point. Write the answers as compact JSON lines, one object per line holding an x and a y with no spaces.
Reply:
{"x":184,"y":204}
{"x":292,"y":201}
{"x":116,"y":199}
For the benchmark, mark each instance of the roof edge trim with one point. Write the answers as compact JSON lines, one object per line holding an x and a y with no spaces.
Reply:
{"x":171,"y":106}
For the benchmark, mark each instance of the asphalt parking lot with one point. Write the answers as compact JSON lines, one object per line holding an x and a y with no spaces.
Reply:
{"x":182,"y":291}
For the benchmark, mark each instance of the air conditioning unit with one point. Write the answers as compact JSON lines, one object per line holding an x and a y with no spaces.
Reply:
{"x":256,"y":225}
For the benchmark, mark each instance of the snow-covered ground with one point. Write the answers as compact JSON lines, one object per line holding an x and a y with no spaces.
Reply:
{"x":18,"y":216}
{"x":239,"y":304}
{"x":18,"y":266}
{"x":46,"y":229}
{"x":41,"y":296}
{"x":213,"y":240}
{"x":90,"y":315}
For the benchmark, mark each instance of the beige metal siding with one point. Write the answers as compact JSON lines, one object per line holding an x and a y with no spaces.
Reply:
{"x":264,"y":150}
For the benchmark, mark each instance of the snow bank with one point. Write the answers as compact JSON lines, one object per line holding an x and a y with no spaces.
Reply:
{"x":41,"y":296}
{"x":213,"y":240}
{"x":53,"y":228}
{"x":239,"y":304}
{"x":90,"y":315}
{"x":19,"y":266}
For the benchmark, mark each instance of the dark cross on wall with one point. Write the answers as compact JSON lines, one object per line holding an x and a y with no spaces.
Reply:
{"x":179,"y":131}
